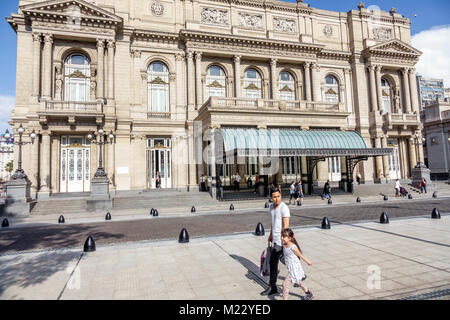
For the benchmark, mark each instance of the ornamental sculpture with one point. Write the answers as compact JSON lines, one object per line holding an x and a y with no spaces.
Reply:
{"x":250,"y":21}
{"x":328,"y":30}
{"x":214,"y":16}
{"x":382,"y":34}
{"x":157,"y":8}
{"x":284,"y":25}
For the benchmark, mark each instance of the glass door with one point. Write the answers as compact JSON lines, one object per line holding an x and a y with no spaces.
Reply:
{"x":334,"y":169}
{"x":159,"y":164}
{"x":75,"y":165}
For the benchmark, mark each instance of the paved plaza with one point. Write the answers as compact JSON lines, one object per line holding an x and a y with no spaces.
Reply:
{"x":411,"y":255}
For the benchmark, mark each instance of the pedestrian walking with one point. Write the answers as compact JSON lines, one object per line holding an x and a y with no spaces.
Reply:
{"x":292,"y":256}
{"x":249,"y":182}
{"x":292,"y":192}
{"x":237,"y":181}
{"x":326,"y":191}
{"x":423,"y":185}
{"x":280,"y":215}
{"x":203,"y":182}
{"x":299,"y":193}
{"x":397,"y":188}
{"x":358,"y":178}
{"x":256,"y":182}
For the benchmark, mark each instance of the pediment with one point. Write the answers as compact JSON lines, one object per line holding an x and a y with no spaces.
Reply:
{"x":61,"y":9}
{"x":396,"y":47}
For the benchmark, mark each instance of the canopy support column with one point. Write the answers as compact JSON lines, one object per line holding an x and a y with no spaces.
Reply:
{"x":312,"y":163}
{"x":352,"y":161}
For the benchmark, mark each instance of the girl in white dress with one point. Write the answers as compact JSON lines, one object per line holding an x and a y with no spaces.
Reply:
{"x":292,"y":256}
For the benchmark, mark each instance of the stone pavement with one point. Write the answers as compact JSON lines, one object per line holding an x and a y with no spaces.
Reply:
{"x":412,"y":255}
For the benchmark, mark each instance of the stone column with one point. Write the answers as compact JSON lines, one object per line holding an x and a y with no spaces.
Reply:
{"x":45,"y":163}
{"x":322,"y":172}
{"x":413,"y":89}
{"x":379,"y":161}
{"x":378,"y":86}
{"x":387,"y":173}
{"x":111,"y":46}
{"x":406,"y":91}
{"x":172,"y":88}
{"x":348,"y":90}
{"x":190,"y":78}
{"x":237,"y":76}
{"x":213,"y":165}
{"x":273,"y":74}
{"x":34,"y":167}
{"x":315,"y":82}
{"x":110,"y":164}
{"x":307,"y":67}
{"x":36,"y":62}
{"x":100,"y":68}
{"x":412,"y":153}
{"x":373,"y":90}
{"x":47,"y":72}
{"x":198,"y":78}
{"x":179,"y":78}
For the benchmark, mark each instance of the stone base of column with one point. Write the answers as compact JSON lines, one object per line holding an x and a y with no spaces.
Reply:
{"x":100,"y":197}
{"x":193,"y":188}
{"x":43,"y":195}
{"x":421,"y":171}
{"x":18,"y":201}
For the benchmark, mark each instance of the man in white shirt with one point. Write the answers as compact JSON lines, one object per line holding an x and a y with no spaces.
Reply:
{"x":237,"y":181}
{"x":280,"y":214}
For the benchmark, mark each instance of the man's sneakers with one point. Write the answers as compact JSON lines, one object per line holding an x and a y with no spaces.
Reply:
{"x":309,"y":295}
{"x":269,"y":291}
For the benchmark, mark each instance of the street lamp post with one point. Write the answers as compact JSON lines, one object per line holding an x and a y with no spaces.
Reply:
{"x":103,"y":141}
{"x":20,"y":174}
{"x":417,"y":142}
{"x":420,"y":171}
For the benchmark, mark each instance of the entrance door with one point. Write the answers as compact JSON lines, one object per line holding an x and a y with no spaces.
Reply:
{"x":394,"y":160}
{"x":334,"y":169}
{"x":159,"y":160}
{"x":75,"y":165}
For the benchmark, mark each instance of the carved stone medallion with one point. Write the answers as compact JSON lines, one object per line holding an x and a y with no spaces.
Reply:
{"x":328,"y":30}
{"x":157,"y":8}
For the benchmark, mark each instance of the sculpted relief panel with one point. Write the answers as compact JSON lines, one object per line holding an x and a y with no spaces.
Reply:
{"x":382,"y":34}
{"x":250,"y":20}
{"x":284,"y":25}
{"x":214,"y":16}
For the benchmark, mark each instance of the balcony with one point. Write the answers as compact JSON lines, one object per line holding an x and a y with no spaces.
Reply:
{"x":267,"y":105}
{"x":70,"y":110}
{"x":404,"y":120}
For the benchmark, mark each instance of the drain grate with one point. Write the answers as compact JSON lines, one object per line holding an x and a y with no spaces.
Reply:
{"x":429,"y":296}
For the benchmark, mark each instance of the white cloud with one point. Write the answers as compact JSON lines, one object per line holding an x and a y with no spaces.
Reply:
{"x":435,"y":45}
{"x":6,"y":105}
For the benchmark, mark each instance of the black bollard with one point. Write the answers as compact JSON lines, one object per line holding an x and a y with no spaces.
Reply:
{"x":61,"y":219}
{"x":108,"y":216}
{"x":329,"y":201}
{"x":89,"y":245}
{"x":156,"y":213}
{"x":152,"y":212}
{"x":259,"y":229}
{"x":184,"y":236}
{"x":410,"y":196}
{"x":358,"y":199}
{"x":326,"y":223}
{"x":435,"y":194}
{"x":386,"y":198}
{"x":5,"y":223}
{"x":266,"y":205}
{"x":435,"y":214}
{"x":384,"y":218}
{"x":193,"y":209}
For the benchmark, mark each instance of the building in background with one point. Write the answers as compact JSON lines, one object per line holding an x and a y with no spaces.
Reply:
{"x":430,"y":90}
{"x":447,"y":94}
{"x":150,"y":71}
{"x":6,"y":155}
{"x":436,"y":131}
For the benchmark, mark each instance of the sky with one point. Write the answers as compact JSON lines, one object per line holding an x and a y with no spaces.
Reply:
{"x":430,"y":31}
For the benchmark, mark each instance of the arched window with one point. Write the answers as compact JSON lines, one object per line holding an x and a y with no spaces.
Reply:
{"x":386,"y":95}
{"x":215,"y":82}
{"x":252,"y":84}
{"x":286,"y":86}
{"x":158,"y":87}
{"x":331,"y":89}
{"x":77,"y":74}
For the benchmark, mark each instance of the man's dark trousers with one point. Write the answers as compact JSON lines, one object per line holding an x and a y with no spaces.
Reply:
{"x":275,"y":254}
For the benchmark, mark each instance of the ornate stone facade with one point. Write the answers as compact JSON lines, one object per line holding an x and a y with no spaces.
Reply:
{"x":156,"y":77}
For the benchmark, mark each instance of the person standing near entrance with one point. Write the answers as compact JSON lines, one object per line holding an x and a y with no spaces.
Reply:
{"x":326,"y":191}
{"x":299,"y":193}
{"x":423,"y":185}
{"x":292,"y":192}
{"x":203,"y":182}
{"x":280,"y":215}
{"x":237,"y":181}
{"x":256,"y":182}
{"x":358,"y":178}
{"x":158,"y":180}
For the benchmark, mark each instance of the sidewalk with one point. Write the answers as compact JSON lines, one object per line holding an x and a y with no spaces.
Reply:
{"x":182,"y":209}
{"x":412,"y":256}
